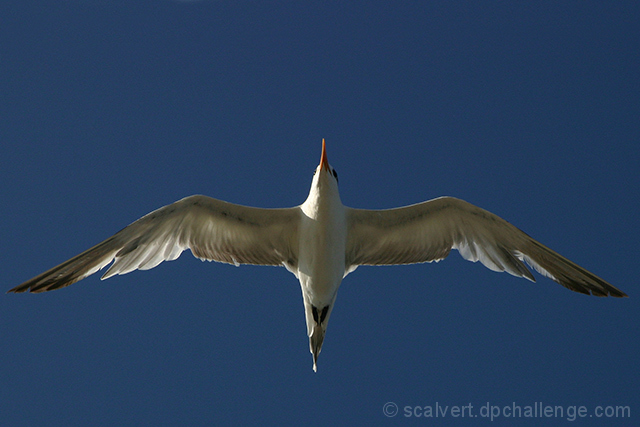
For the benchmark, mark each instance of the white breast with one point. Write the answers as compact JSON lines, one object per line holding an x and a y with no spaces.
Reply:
{"x":323,"y":236}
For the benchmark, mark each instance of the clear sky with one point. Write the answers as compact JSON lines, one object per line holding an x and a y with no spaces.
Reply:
{"x":112,"y":108}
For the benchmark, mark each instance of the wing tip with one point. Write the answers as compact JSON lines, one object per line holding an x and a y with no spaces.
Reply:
{"x":616,"y":293}
{"x":603,"y":290}
{"x":22,"y":288}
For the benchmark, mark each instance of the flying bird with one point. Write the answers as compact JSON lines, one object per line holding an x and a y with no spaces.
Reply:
{"x":320,"y":242}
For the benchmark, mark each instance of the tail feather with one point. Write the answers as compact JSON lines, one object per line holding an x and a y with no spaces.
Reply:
{"x":315,"y":344}
{"x":317,"y":321}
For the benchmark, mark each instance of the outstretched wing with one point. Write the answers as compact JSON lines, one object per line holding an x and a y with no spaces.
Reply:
{"x":427,"y":232}
{"x":214,"y":230}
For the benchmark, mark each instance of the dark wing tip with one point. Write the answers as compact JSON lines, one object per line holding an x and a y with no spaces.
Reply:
{"x":27,"y":287}
{"x":617,"y":293}
{"x":610,"y":293}
{"x":567,"y":273}
{"x":38,"y":284}
{"x":597,"y":288}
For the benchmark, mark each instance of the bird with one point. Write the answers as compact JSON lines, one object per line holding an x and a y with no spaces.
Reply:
{"x":321,"y":241}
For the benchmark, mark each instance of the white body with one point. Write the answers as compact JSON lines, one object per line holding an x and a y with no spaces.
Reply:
{"x":321,"y":261}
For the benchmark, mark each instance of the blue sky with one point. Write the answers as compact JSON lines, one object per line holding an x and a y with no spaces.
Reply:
{"x":111,"y":109}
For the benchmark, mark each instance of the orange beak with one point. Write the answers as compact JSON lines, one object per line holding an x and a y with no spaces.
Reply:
{"x":323,"y":159}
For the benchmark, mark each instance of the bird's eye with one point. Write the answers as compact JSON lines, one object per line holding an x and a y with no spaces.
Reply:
{"x":335,"y":174}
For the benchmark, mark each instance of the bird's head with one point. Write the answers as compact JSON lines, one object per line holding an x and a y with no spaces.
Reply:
{"x":324,"y":173}
{"x":323,"y":195}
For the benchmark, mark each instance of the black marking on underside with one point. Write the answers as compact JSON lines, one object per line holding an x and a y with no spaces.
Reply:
{"x":319,"y":318}
{"x":323,"y":315}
